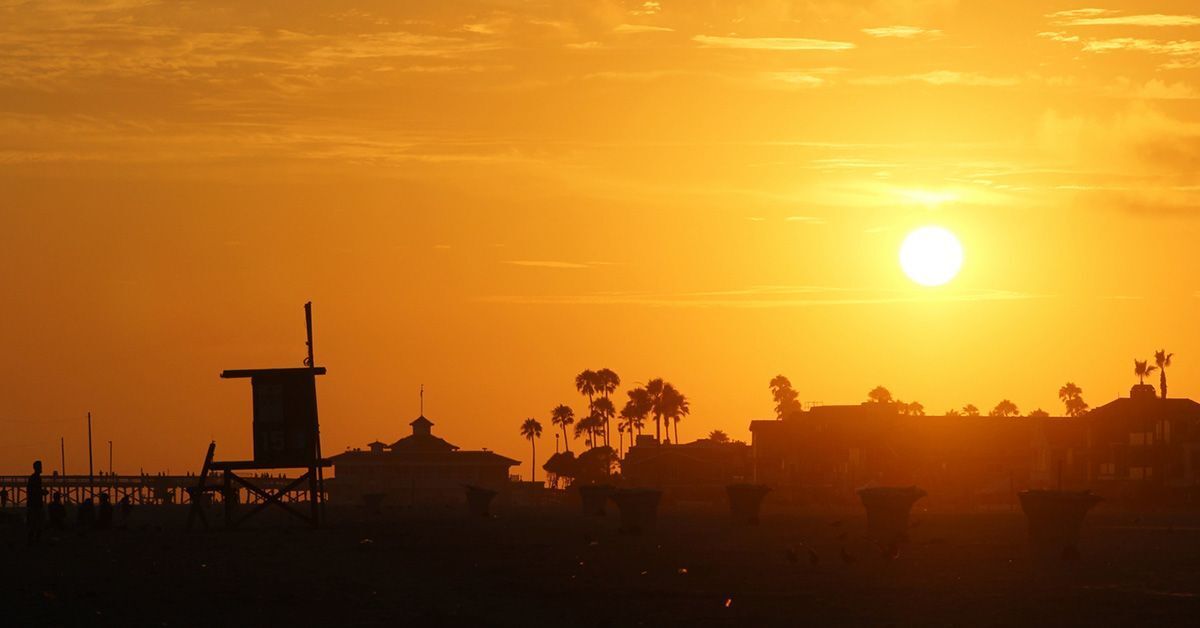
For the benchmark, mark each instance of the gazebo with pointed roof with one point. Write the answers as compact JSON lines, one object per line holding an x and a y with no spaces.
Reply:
{"x":422,"y":438}
{"x":418,"y":467}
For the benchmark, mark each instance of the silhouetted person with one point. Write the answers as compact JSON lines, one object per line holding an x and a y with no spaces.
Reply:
{"x":35,"y":503}
{"x":125,"y":506}
{"x":104,"y":515}
{"x":85,"y":516}
{"x":57,"y":512}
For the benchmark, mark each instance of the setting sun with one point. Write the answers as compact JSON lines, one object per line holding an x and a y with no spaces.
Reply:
{"x":931,"y":256}
{"x":492,"y":296}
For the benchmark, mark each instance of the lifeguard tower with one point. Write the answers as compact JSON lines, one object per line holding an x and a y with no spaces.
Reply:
{"x":287,"y":435}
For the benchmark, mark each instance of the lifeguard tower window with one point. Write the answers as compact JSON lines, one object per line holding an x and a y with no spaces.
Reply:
{"x":285,"y":415}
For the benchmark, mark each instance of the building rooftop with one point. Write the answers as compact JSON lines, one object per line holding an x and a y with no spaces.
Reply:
{"x":423,"y":448}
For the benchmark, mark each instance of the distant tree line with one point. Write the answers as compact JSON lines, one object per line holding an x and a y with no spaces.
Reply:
{"x":1071,"y":395}
{"x":656,"y":400}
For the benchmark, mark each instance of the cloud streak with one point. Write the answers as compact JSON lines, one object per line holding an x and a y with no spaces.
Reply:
{"x":641,"y":28}
{"x":940,"y":77}
{"x":547,"y":264}
{"x":770,"y":43}
{"x":1181,"y":47}
{"x":760,"y":297}
{"x":1154,"y":19}
{"x":901,"y":32}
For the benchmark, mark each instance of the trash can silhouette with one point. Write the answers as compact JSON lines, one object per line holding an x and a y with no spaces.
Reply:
{"x":639,"y":508}
{"x":745,"y":501}
{"x":888,"y":508}
{"x":1055,"y":520}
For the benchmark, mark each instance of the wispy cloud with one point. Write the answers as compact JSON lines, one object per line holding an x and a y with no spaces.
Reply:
{"x":1152,"y":19}
{"x":770,"y":43}
{"x":1080,"y":13}
{"x":794,"y":80}
{"x":635,"y":76}
{"x":641,"y":28}
{"x":1059,"y":36}
{"x":1160,"y":90}
{"x":647,"y":8}
{"x":547,"y":264}
{"x":902,"y":32}
{"x":940,"y":77}
{"x":759,"y":297}
{"x":1180,"y":47}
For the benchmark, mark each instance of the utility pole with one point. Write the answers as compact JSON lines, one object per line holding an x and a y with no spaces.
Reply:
{"x":312,"y":364}
{"x":91,"y":475}
{"x":62,"y":453}
{"x":110,"y":457}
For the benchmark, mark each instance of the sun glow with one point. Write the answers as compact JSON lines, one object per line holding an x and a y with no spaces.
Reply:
{"x":931,"y":256}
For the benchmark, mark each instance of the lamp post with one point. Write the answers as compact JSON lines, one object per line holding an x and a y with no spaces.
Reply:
{"x":91,"y":474}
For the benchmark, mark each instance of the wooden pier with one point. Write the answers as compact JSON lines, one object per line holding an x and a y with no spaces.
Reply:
{"x":142,"y":489}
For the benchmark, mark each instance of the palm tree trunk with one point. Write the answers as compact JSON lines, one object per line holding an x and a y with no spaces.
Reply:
{"x":566,"y":441}
{"x":533,"y":465}
{"x":1162,"y":381}
{"x":657,"y":432}
{"x":676,"y":431}
{"x":607,"y":442}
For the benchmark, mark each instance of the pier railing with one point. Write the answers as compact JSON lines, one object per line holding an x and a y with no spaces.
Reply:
{"x":140,"y":489}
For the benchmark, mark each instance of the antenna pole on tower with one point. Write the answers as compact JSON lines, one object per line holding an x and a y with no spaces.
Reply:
{"x":318,"y":470}
{"x":308,"y":327}
{"x":91,"y":475}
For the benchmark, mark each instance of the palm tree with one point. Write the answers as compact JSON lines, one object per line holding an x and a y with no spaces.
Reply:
{"x":636,"y":409}
{"x":677,"y":407}
{"x":606,"y":384}
{"x":587,"y":427}
{"x":970,"y":410}
{"x":1163,"y":360}
{"x":1004,"y":409}
{"x":1076,"y":407}
{"x":1142,"y":369}
{"x":953,"y":412}
{"x":667,"y":404}
{"x":634,"y":413}
{"x":786,"y":403}
{"x":1069,"y":390}
{"x":879,"y":395}
{"x":563,"y":416}
{"x":531,"y":429}
{"x":718,"y":436}
{"x":911,"y":409}
{"x":604,"y":411}
{"x":1072,"y":398}
{"x":585,"y":383}
{"x":654,"y":390}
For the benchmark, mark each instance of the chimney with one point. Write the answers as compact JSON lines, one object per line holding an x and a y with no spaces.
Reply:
{"x":1143,"y":391}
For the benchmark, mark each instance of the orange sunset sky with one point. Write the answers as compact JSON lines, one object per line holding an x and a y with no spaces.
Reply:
{"x":489,"y":196}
